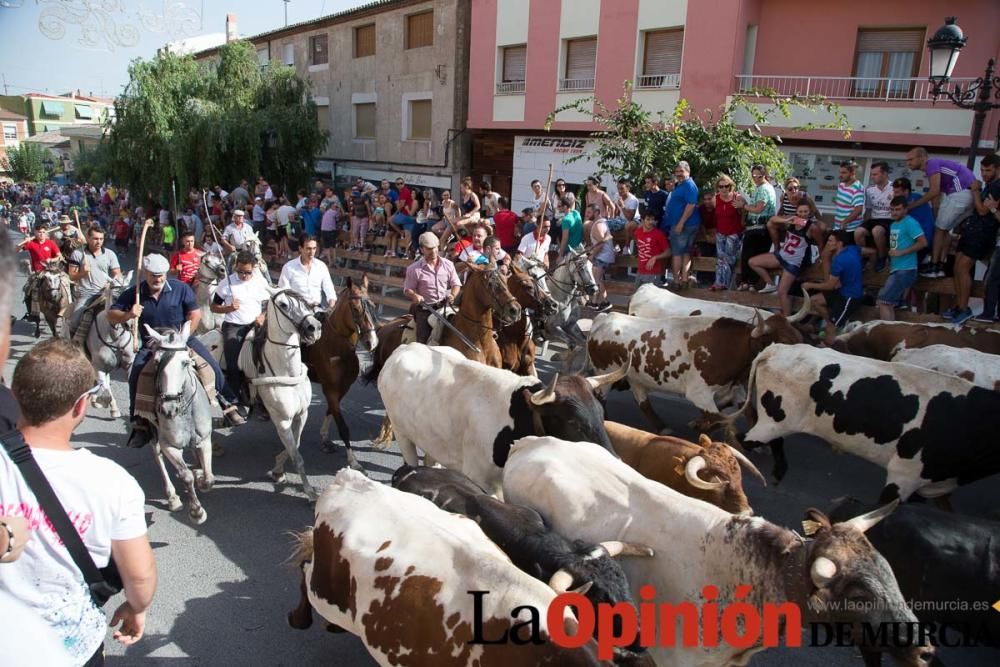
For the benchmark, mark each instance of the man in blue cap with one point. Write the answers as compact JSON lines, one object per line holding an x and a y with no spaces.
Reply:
{"x":165,"y":304}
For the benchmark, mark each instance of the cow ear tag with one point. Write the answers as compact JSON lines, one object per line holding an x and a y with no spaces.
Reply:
{"x":679,"y":468}
{"x":810,"y":527}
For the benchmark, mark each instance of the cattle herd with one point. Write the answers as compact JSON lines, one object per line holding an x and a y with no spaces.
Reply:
{"x":537,"y":532}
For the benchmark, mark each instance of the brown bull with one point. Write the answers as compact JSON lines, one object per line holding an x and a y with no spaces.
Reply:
{"x":881,"y":340}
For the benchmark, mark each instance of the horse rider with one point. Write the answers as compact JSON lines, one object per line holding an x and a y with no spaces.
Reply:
{"x":237,"y":233}
{"x":430,"y":280}
{"x":165,"y":304}
{"x":242,"y":299}
{"x":67,"y":236}
{"x":91,"y":268}
{"x":40,"y":249}
{"x":308,"y":276}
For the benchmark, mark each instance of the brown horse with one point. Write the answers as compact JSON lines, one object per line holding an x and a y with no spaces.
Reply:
{"x":517,"y":349}
{"x":484,"y":292}
{"x":333,"y":361}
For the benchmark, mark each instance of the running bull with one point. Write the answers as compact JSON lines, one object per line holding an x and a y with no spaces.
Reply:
{"x":465,"y":415}
{"x":927,"y":429}
{"x":396,"y":571}
{"x":881,"y":340}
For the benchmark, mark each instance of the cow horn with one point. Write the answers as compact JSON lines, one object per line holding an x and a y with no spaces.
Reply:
{"x":598,"y":381}
{"x":615,"y":549}
{"x":759,"y":327}
{"x":804,"y":310}
{"x":866,"y":521}
{"x":582,"y":589}
{"x":546,"y":394}
{"x":747,"y":463}
{"x":561,"y":581}
{"x":823,"y":570}
{"x":696,"y":464}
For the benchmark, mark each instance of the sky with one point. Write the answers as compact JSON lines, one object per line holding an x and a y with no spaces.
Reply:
{"x":54,"y":46}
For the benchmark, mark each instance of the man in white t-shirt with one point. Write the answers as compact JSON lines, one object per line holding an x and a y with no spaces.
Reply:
{"x":242,"y":299}
{"x":475,"y":254}
{"x":53,"y":383}
{"x":535,"y":246}
{"x":237,"y":233}
{"x":877,"y":218}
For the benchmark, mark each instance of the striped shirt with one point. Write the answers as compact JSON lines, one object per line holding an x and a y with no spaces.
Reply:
{"x":849,"y":196}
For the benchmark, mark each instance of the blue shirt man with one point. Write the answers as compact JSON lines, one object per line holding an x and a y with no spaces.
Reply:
{"x":846,"y":266}
{"x":163,"y":304}
{"x":685,"y":193}
{"x":311,"y":219}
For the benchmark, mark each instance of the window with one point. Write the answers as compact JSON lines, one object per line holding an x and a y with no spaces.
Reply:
{"x":262,"y":57}
{"x":9,"y":132}
{"x":661,"y":59}
{"x":364,"y":40}
{"x":885,"y":62}
{"x":513,"y":59}
{"x":364,"y":120}
{"x":581,"y":62}
{"x":323,"y":117}
{"x":318,"y":54}
{"x":420,"y":30}
{"x":83,"y":111}
{"x":52,"y":109}
{"x":289,"y":54}
{"x":420,"y":120}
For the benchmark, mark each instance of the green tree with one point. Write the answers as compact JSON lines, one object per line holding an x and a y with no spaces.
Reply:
{"x":206,"y":124}
{"x":633,"y":142}
{"x":26,"y":162}
{"x":93,"y":165}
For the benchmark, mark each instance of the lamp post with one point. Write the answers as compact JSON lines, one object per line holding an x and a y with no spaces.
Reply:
{"x":977,"y":95}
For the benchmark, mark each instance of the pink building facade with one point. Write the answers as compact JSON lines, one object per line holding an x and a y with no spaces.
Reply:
{"x":530,"y":57}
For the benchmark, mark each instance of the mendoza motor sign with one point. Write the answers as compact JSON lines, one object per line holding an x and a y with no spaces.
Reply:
{"x":534,"y":154}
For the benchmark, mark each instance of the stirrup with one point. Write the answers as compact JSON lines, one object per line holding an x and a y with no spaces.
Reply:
{"x":232,"y":415}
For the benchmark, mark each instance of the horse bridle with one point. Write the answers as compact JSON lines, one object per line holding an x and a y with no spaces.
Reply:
{"x":298,"y":325}
{"x":118,"y":349}
{"x":166,"y":354}
{"x":368,"y":308}
{"x":494,"y":282}
{"x":573,"y":287}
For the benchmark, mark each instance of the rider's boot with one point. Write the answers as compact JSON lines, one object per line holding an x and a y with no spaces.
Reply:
{"x":233,"y":414}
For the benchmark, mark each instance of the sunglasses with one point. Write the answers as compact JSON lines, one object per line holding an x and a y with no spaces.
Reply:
{"x":725,"y":187}
{"x":93,"y":391}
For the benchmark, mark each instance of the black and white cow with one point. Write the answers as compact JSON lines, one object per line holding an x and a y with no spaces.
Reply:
{"x":940,"y":557}
{"x":931,"y":432}
{"x":466,"y":415}
{"x":531,"y":544}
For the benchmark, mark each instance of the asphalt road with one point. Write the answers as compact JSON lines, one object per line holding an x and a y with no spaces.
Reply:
{"x":225,"y":587}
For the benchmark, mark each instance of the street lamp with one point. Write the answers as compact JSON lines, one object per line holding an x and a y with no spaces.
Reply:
{"x":944,"y":47}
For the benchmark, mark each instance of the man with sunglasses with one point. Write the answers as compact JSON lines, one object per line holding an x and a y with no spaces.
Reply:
{"x":165,"y":303}
{"x":242,"y":300}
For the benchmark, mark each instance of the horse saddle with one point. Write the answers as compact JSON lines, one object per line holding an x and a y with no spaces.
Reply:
{"x":257,"y":337}
{"x":437,"y":328}
{"x":145,"y":388}
{"x":94,"y":305}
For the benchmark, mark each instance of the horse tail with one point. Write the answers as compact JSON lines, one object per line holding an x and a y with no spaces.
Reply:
{"x":385,"y":435}
{"x":302,"y":547}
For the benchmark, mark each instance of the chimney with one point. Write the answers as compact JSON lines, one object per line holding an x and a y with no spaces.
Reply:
{"x":231,"y":34}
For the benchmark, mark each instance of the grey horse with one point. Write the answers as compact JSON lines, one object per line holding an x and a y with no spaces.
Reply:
{"x":109,"y":346}
{"x":54,"y":296}
{"x":571,"y":279}
{"x":183,"y":419}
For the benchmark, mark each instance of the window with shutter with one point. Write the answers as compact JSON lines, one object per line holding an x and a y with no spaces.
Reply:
{"x":661,"y":60}
{"x":886,"y":60}
{"x":318,"y":54}
{"x":581,"y":63}
{"x":364,"y":120}
{"x":420,"y":119}
{"x":289,"y":54}
{"x":364,"y":41}
{"x":420,"y":30}
{"x":323,"y":117}
{"x":512,"y":69}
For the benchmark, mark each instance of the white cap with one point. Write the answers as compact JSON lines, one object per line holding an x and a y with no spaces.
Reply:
{"x":155,"y":263}
{"x":429,"y":240}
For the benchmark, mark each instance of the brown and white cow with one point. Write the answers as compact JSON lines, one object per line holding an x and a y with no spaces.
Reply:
{"x":705,"y":359}
{"x":977,"y":367}
{"x":708,"y":471}
{"x":583,"y":492}
{"x":395,"y":570}
{"x":881,"y":340}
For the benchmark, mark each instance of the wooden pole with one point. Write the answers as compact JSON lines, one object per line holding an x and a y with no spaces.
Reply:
{"x":545,"y":204}
{"x":138,"y":281}
{"x":76,"y":217}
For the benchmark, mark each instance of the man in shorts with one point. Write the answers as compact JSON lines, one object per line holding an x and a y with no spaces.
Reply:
{"x":877,"y":218}
{"x":978,"y":237}
{"x":652,"y":249}
{"x":682,"y":219}
{"x":906,"y":239}
{"x":839,"y":295}
{"x":951,"y":182}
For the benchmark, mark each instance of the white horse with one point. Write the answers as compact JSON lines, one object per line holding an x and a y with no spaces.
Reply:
{"x":109,"y":346}
{"x":211,"y":271}
{"x":183,"y":419}
{"x":569,"y":284}
{"x":283,"y":384}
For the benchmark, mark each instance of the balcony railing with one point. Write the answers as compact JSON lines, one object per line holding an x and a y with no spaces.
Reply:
{"x":843,"y":88}
{"x":659,"y":81}
{"x":570,"y":85}
{"x":510,"y":88}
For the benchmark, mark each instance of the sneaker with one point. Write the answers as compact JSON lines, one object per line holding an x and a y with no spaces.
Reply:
{"x":939,"y":271}
{"x":928,"y":271}
{"x":768,"y":289}
{"x":962,"y":317}
{"x":626,"y":250}
{"x":984,"y":319}
{"x":950,"y":313}
{"x":880,"y":264}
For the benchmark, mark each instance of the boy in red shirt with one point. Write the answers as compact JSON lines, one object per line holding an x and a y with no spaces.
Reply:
{"x":184,"y":263}
{"x":41,"y":248}
{"x":505,"y":226}
{"x":653,"y":250}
